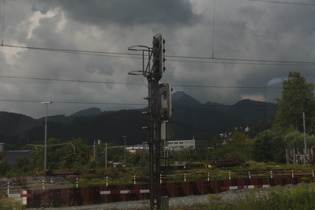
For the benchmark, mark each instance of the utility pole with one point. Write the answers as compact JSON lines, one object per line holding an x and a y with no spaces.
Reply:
{"x":94,"y":150}
{"x":45,"y":142}
{"x":125,"y":158}
{"x":159,"y":101}
{"x":105,"y":154}
{"x":304,"y":132}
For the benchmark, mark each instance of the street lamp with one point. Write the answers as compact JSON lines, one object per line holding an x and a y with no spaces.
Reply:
{"x":45,"y":144}
{"x":105,"y":154}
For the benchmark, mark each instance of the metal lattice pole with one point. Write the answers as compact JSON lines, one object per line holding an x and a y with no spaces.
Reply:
{"x":155,"y":140}
{"x":156,"y":111}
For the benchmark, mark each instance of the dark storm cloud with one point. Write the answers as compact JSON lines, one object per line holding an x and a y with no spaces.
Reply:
{"x":242,"y":30}
{"x":128,"y":12}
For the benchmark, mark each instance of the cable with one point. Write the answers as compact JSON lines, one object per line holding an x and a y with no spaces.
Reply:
{"x":213,"y":28}
{"x":196,"y":59}
{"x":3,"y":23}
{"x":138,"y":84}
{"x":281,"y":2}
{"x":204,"y":105}
{"x":69,"y":80}
{"x":84,"y":52}
{"x":71,"y":102}
{"x":102,"y":103}
{"x":227,"y":87}
{"x":266,"y":61}
{"x":239,"y":62}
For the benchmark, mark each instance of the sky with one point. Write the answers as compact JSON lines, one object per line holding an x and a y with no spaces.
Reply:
{"x":216,"y":50}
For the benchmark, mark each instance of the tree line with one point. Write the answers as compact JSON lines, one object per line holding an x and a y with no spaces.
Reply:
{"x":286,"y":130}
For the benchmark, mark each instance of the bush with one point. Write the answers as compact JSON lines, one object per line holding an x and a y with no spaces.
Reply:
{"x":280,"y":198}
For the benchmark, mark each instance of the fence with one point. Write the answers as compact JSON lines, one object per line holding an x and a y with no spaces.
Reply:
{"x":114,"y":193}
{"x":184,"y":186}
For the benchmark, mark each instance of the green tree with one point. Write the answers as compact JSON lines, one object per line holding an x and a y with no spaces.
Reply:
{"x":295,"y":140}
{"x":297,"y":97}
{"x":4,"y":168}
{"x":184,"y":155}
{"x":237,"y":147}
{"x":62,"y":155}
{"x":78,"y":158}
{"x":23,"y":164}
{"x":269,"y":146}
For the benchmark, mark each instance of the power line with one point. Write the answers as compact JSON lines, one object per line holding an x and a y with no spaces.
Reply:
{"x":83,"y":52}
{"x":3,"y":12}
{"x":73,"y":102}
{"x":204,"y":105}
{"x":268,"y":61}
{"x":281,"y":2}
{"x":137,"y":84}
{"x":236,"y":61}
{"x":213,"y":28}
{"x":227,"y":87}
{"x":69,"y":80}
{"x":179,"y":58}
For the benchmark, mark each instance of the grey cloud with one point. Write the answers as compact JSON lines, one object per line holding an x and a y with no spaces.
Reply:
{"x":128,"y":13}
{"x":243,"y":29}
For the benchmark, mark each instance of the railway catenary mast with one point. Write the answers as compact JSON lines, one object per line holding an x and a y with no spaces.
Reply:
{"x":159,"y":108}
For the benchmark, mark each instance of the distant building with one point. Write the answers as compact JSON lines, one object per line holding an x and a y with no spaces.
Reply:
{"x":186,"y":144}
{"x":11,"y":156}
{"x":138,"y":148}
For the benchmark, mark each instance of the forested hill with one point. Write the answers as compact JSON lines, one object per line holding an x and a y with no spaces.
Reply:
{"x":190,"y":118}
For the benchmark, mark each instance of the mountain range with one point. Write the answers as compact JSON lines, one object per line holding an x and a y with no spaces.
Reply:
{"x":190,"y":118}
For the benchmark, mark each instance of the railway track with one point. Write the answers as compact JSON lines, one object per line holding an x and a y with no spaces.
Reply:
{"x":55,"y":192}
{"x":73,"y":195}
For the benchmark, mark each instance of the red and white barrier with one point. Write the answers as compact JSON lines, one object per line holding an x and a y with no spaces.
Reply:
{"x":18,"y":195}
{"x":23,"y":195}
{"x":117,"y":192}
{"x":245,"y":187}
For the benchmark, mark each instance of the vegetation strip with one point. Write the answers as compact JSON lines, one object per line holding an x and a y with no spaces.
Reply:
{"x":244,"y":187}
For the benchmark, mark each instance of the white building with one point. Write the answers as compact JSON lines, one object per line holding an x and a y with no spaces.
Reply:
{"x":186,"y":144}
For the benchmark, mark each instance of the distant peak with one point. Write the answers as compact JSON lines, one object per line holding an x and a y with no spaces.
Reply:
{"x":181,"y":98}
{"x":179,"y":94}
{"x":249,"y":101}
{"x":88,"y":112}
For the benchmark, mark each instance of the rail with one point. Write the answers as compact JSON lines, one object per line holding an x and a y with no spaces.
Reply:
{"x":76,"y":196}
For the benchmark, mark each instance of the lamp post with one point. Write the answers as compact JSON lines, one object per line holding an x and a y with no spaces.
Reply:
{"x":45,"y":144}
{"x":304,"y":131}
{"x":105,"y":154}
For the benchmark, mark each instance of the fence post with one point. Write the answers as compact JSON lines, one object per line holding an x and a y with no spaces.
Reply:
{"x":249,"y":177}
{"x":229,"y":175}
{"x":313,"y":173}
{"x":24,"y":199}
{"x":185,"y":179}
{"x":292,"y":174}
{"x":271,"y":175}
{"x":164,"y":202}
{"x":208,"y":177}
{"x":43,"y":184}
{"x":134,"y":179}
{"x":77,"y":182}
{"x":8,"y":188}
{"x":106,"y":181}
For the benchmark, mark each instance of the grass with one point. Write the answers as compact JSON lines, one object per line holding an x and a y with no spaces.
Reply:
{"x":278,"y":198}
{"x":9,"y":204}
